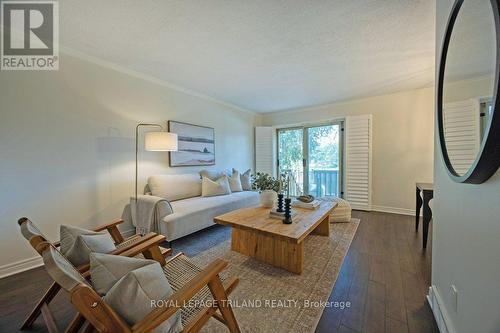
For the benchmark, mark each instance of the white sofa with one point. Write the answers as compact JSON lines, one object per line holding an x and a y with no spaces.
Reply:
{"x":186,"y":210}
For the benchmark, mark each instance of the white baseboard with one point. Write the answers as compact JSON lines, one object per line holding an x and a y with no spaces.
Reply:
{"x":20,"y":266}
{"x":440,"y":314}
{"x":394,"y":210}
{"x":360,"y":207}
{"x":27,"y":264}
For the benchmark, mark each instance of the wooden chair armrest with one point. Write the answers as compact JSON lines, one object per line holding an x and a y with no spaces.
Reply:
{"x":152,"y":242}
{"x":108,"y":225}
{"x":113,"y":230}
{"x":174,"y":302}
{"x":166,"y":252}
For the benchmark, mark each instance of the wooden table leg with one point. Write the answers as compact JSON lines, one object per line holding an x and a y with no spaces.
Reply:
{"x":427,"y":216}
{"x":418,"y":207}
{"x":276,"y":251}
{"x":323,"y":228}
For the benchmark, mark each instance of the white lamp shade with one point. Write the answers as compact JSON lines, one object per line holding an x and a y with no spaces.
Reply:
{"x":160,"y":141}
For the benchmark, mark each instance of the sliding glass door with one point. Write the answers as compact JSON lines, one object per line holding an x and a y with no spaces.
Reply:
{"x":291,"y":157}
{"x":313,"y":157}
{"x":323,"y":160}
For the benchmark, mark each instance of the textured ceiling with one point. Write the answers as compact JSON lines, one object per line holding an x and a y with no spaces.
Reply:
{"x":262,"y":55}
{"x":471,"y":50}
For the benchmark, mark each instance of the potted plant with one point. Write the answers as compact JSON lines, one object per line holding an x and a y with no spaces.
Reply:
{"x":267,"y":186}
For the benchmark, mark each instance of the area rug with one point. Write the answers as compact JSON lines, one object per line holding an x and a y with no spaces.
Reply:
{"x":270,"y":299}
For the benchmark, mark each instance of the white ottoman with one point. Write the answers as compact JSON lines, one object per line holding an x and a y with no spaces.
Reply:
{"x":341,"y":213}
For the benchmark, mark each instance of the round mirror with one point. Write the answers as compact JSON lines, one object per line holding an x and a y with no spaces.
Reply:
{"x":467,"y":91}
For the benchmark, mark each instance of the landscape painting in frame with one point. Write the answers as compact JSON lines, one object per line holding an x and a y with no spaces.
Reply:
{"x":196,"y":144}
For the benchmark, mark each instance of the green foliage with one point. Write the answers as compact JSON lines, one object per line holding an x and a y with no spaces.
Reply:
{"x":323,"y":148}
{"x":263,"y":181}
{"x":290,"y":150}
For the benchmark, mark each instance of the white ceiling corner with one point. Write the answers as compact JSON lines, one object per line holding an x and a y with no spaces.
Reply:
{"x":262,"y":55}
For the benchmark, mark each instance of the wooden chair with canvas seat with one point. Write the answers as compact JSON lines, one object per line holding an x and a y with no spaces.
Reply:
{"x":124,"y":246}
{"x":188,"y":281}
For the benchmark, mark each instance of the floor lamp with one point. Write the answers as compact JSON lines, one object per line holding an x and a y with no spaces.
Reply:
{"x":153,"y":141}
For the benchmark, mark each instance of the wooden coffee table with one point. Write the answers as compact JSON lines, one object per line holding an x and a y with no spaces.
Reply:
{"x":256,"y":235}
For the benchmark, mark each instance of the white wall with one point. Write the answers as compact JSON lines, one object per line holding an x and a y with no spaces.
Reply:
{"x":471,"y":88}
{"x":67,"y":144}
{"x":403,"y":125}
{"x":466,"y":238}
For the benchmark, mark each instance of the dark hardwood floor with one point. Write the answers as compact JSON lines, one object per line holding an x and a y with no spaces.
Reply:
{"x":385,"y":277}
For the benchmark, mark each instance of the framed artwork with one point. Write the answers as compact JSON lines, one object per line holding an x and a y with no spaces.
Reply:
{"x":196,"y":144}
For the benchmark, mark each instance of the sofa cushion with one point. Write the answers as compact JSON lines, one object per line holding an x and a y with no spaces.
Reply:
{"x":211,"y":174}
{"x":193,"y":214}
{"x":246,"y":180}
{"x":235,"y":182}
{"x":175,"y":187}
{"x":210,"y":188}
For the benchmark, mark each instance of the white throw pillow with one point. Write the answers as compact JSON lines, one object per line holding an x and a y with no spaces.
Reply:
{"x":210,"y":188}
{"x":78,"y":243}
{"x":246,"y":180}
{"x":211,"y":174}
{"x":235,"y":182}
{"x":132,"y":284}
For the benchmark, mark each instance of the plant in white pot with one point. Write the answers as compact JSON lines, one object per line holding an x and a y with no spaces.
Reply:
{"x":267,"y":186}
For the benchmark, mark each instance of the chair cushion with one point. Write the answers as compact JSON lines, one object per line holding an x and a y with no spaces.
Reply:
{"x":78,"y":243}
{"x":133,"y":287}
{"x":246,"y":180}
{"x":235,"y":182}
{"x":210,"y":188}
{"x":175,"y":187}
{"x":106,"y":270}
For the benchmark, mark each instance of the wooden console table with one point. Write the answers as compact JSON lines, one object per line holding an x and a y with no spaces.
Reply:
{"x":427,"y":190}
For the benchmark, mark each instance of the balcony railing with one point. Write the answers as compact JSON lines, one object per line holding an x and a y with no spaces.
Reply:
{"x":322,"y":182}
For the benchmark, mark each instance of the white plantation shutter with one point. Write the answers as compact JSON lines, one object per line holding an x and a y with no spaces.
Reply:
{"x":264,"y":150}
{"x":461,"y":132}
{"x":358,"y":134}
